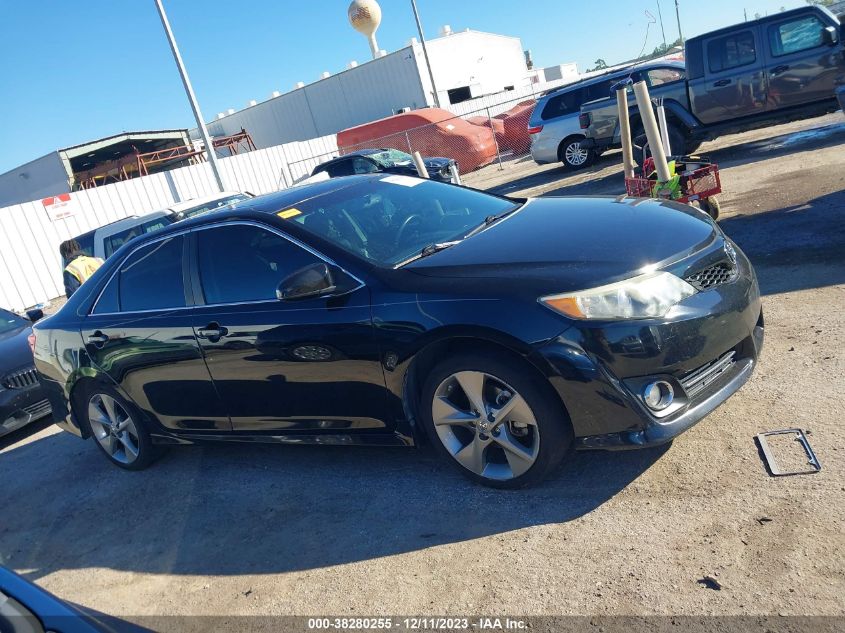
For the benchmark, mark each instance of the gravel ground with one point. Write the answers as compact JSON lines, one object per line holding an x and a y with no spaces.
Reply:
{"x":325,"y":530}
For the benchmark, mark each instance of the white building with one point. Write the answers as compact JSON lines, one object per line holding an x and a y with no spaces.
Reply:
{"x":465,"y":65}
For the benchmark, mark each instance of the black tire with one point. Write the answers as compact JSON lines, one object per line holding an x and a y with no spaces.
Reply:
{"x":138,"y":435}
{"x":553,"y":430}
{"x":574,"y":158}
{"x":677,"y":139}
{"x":711,"y":206}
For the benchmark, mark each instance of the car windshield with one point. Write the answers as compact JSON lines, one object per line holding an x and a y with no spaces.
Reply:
{"x":116,"y":240}
{"x":9,"y":321}
{"x":391,"y":158}
{"x":392,"y":219}
{"x":212,"y":205}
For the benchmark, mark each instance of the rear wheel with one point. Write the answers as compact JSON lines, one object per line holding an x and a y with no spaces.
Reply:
{"x":493,"y":421}
{"x":117,"y":429}
{"x":573,"y":156}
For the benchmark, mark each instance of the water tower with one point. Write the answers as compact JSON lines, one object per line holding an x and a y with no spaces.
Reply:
{"x":365,"y":16}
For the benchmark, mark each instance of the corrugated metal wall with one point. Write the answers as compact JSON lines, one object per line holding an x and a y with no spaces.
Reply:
{"x":358,"y":95}
{"x":30,"y":266}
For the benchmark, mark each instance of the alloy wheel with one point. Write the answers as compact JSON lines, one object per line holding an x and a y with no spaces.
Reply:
{"x":486,"y":426}
{"x":575,"y":155}
{"x":114,"y":428}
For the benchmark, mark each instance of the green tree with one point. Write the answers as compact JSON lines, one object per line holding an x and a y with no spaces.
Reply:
{"x":600,"y":64}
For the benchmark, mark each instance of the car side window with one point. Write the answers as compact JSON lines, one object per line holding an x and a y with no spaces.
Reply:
{"x":796,"y":35}
{"x":340,"y":168}
{"x":243,"y":262}
{"x":731,"y":51}
{"x":363,"y":166}
{"x":151,"y":278}
{"x":661,"y":76}
{"x":568,"y":102}
{"x":600,"y":90}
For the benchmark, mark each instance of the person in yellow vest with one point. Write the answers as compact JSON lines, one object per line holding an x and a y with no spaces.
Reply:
{"x":79,"y":266}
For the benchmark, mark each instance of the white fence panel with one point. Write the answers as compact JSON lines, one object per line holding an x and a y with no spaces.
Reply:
{"x":30,"y":265}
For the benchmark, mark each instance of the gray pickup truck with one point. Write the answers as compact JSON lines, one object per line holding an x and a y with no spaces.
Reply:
{"x":779,"y":68}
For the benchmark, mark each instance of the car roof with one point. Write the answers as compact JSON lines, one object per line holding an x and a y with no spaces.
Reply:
{"x":128,"y":223}
{"x":768,"y":18}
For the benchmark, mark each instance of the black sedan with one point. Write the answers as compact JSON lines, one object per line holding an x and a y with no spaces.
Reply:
{"x":386,"y":309}
{"x":388,"y":161}
{"x":21,"y":398}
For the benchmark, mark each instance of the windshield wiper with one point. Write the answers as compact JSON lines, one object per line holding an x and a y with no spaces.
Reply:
{"x":428,"y":249}
{"x":490,"y":219}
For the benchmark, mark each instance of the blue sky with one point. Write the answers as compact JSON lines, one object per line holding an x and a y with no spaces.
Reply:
{"x":77,"y":70}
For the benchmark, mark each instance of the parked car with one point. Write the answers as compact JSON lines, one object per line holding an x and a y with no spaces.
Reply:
{"x":429,"y":131}
{"x":103,"y":241}
{"x":779,"y":68}
{"x":385,"y":160}
{"x":22,"y":400}
{"x":382,"y":309}
{"x":556,"y":135}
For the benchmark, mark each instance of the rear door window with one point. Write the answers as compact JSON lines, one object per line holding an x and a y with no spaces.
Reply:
{"x":600,"y":90}
{"x":362,"y":165}
{"x":796,"y":35}
{"x":568,"y":102}
{"x":732,"y":51}
{"x":151,"y":277}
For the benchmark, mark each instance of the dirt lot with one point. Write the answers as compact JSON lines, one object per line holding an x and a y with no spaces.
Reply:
{"x":287,"y":530}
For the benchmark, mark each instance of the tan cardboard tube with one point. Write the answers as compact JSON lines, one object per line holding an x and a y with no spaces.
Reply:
{"x":625,"y":132}
{"x":418,"y":161}
{"x":652,"y":133}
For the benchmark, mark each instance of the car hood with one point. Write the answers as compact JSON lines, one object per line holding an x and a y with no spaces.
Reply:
{"x":576,"y":243}
{"x":14,"y":350}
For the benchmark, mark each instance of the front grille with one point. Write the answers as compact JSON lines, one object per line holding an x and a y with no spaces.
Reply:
{"x":712,"y":276}
{"x":39,"y":409}
{"x":21,"y":379}
{"x":698,"y":380}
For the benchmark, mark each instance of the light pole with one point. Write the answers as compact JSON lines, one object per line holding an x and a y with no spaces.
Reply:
{"x":678,"y":17}
{"x":425,"y":52}
{"x":209,"y":148}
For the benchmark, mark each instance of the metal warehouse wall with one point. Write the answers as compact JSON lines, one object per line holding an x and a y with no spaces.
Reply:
{"x":373,"y":90}
{"x":42,"y":177}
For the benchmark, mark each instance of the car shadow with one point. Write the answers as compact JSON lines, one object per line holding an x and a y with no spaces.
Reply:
{"x":253,"y":509}
{"x":796,"y":247}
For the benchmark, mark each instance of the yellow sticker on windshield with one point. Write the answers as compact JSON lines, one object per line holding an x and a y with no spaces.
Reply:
{"x":287,"y":214}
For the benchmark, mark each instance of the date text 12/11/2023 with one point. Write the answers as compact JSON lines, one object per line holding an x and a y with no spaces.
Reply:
{"x":417,"y":623}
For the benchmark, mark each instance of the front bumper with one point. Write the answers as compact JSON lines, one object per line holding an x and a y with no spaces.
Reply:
{"x":598,"y":369}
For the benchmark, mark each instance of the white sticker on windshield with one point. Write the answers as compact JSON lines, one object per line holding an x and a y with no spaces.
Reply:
{"x":405,"y":181}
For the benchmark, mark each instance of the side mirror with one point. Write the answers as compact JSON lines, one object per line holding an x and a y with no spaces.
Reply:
{"x":36,"y":314}
{"x":312,"y":281}
{"x":830,"y":36}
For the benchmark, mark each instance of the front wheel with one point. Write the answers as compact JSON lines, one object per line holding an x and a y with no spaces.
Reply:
{"x":493,"y":421}
{"x":573,"y":156}
{"x":711,"y":206}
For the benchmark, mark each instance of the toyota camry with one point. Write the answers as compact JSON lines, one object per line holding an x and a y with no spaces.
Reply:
{"x":390,"y":310}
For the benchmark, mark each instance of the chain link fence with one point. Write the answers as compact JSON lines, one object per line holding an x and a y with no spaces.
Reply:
{"x":486,"y":138}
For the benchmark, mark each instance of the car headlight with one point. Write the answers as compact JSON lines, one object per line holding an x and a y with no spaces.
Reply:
{"x":641,"y":297}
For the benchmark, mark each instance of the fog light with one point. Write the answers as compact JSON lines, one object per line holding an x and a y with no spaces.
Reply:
{"x":658,"y":395}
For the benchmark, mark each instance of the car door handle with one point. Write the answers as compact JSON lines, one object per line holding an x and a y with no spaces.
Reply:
{"x":212,"y":332}
{"x":779,"y":69}
{"x":722,"y":82}
{"x":98,"y":339}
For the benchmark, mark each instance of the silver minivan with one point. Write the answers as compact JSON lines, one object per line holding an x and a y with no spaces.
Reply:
{"x":554,"y":129}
